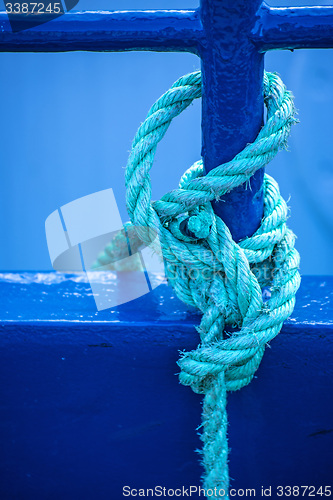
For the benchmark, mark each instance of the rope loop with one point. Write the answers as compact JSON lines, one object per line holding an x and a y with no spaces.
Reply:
{"x":225,"y":280}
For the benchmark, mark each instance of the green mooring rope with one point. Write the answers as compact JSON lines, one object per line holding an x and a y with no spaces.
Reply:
{"x":223,"y":279}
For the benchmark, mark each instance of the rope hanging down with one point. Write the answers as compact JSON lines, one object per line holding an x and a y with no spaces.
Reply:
{"x":223,"y":279}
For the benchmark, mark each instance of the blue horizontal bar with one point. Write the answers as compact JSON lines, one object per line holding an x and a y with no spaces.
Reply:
{"x":107,"y":31}
{"x":275,"y":28}
{"x":293,"y":28}
{"x":90,"y":401}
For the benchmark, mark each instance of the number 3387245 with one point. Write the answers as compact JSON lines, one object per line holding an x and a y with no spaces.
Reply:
{"x":33,"y":8}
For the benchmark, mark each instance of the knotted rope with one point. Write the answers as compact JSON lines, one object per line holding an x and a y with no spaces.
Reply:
{"x":224,"y":279}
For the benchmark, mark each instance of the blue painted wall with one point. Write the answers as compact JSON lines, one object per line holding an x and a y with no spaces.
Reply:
{"x":91,"y":403}
{"x":68,"y":121}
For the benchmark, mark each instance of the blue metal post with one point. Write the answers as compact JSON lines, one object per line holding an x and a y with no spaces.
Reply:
{"x":232,"y":107}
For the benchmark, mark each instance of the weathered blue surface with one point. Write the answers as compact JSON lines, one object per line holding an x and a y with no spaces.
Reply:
{"x":232,"y":103}
{"x":107,"y":31}
{"x":294,"y":28}
{"x":179,"y":30}
{"x":90,"y":400}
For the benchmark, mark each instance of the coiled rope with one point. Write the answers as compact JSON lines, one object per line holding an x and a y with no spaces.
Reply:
{"x":223,"y":279}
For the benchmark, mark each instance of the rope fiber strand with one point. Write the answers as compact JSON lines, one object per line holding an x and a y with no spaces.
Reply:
{"x":228,"y":282}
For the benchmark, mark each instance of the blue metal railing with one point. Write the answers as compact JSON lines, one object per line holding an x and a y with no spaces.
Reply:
{"x":230,"y":37}
{"x":90,"y":402}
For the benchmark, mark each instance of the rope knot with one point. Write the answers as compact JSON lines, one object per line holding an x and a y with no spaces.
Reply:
{"x":225,"y":280}
{"x":201,"y":367}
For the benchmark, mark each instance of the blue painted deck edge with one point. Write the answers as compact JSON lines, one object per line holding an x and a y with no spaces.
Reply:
{"x":90,"y":402}
{"x":51,"y":299}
